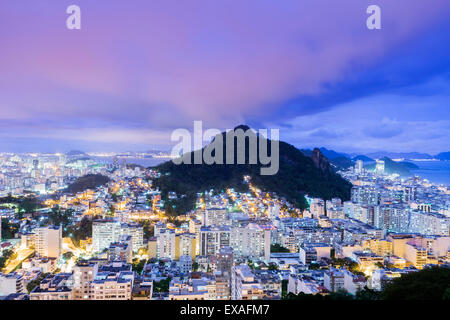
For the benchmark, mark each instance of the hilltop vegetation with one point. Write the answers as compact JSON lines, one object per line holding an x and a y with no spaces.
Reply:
{"x":427,"y":284}
{"x":89,"y":181}
{"x":443,"y":156}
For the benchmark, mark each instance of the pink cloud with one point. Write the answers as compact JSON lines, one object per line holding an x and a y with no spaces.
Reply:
{"x":176,"y":61}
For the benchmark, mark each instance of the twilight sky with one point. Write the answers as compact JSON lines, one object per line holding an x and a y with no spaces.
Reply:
{"x":139,"y":69}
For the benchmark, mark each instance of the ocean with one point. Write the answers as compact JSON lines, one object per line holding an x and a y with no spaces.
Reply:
{"x":435,"y":171}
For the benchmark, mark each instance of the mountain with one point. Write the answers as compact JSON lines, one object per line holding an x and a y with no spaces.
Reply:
{"x":392,"y":167}
{"x":443,"y":156}
{"x":399,"y":155}
{"x":363,"y":158}
{"x":297,"y":175}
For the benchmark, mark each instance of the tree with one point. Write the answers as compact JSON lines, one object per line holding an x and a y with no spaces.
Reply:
{"x":272,"y":267}
{"x":314,"y":266}
{"x":332,"y":253}
{"x":61,"y":218}
{"x":446,"y":295}
{"x":138,"y":265}
{"x":67,"y":255}
{"x":278,"y":248}
{"x":7,"y":254}
{"x":34,"y":283}
{"x":162,"y":286}
{"x":82,"y":231}
{"x":284,"y":288}
{"x":28,"y":204}
{"x":112,"y":211}
{"x":9,"y":229}
{"x":148,"y":229}
{"x":367,"y":294}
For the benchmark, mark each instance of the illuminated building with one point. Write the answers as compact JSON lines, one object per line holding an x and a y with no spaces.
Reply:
{"x":416,"y":255}
{"x":165,"y":244}
{"x":213,"y":238}
{"x":53,"y":287}
{"x":214,"y":216}
{"x":185,"y":244}
{"x":104,"y":232}
{"x":244,"y":285}
{"x":185,"y":263}
{"x":251,"y":241}
{"x":11,"y":283}
{"x":113,"y":282}
{"x":136,"y":232}
{"x":333,"y":280}
{"x":225,"y":260}
{"x":121,"y":250}
{"x":48,"y":241}
{"x":83,"y":275}
{"x":380,"y":167}
{"x":359,"y":167}
{"x":378,"y":247}
{"x":352,"y":282}
{"x":151,"y":247}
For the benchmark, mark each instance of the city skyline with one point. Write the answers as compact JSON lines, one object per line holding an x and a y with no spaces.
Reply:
{"x":133,"y":73}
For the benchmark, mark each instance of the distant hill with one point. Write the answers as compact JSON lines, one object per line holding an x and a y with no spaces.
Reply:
{"x":399,"y":155}
{"x":89,"y":181}
{"x":76,"y":159}
{"x":298,"y":175}
{"x":410,"y":165}
{"x":75,"y":153}
{"x":331,"y":154}
{"x":443,"y":156}
{"x":392,"y":167}
{"x":363,"y":158}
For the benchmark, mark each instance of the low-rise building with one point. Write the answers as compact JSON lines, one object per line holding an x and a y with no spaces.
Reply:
{"x":54,"y":287}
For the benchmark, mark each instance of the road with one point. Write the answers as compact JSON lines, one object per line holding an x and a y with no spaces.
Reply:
{"x":22,"y":254}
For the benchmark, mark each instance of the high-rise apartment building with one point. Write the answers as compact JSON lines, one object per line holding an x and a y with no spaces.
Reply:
{"x":251,"y":241}
{"x":213,"y":238}
{"x":48,"y":241}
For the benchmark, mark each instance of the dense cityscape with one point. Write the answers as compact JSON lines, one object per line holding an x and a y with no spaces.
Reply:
{"x":75,"y":228}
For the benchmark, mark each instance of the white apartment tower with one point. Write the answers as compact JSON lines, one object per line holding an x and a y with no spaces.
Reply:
{"x":48,"y":241}
{"x":103,"y":233}
{"x":252,"y":241}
